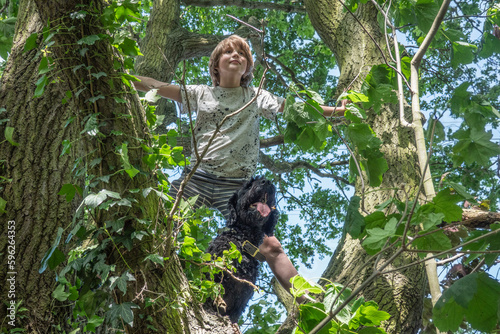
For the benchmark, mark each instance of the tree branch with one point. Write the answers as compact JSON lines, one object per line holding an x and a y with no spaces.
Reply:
{"x":473,"y":218}
{"x":272,"y":141}
{"x":281,"y":167}
{"x":246,"y":4}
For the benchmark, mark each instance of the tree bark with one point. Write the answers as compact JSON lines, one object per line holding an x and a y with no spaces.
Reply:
{"x":37,"y":170}
{"x":400,"y":293}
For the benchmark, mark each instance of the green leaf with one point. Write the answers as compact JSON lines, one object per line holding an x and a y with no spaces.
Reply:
{"x":94,"y":200}
{"x":59,"y":293}
{"x":474,"y":146}
{"x":156,"y":258}
{"x":332,"y":294}
{"x":70,"y":191}
{"x":189,"y":247}
{"x":44,"y":66}
{"x":444,"y":202}
{"x":56,"y":259}
{"x":463,"y":53}
{"x":368,"y":315}
{"x":130,"y":48}
{"x":311,"y":315}
{"x":377,"y":237}
{"x":121,"y":282}
{"x":439,"y":132}
{"x":426,"y":11}
{"x":356,"y":97}
{"x":123,"y":312}
{"x":31,"y":42}
{"x":300,"y":286}
{"x":355,"y":222}
{"x":3,"y":204}
{"x":375,"y":169}
{"x":89,"y":40}
{"x":430,"y":220}
{"x":131,"y":170}
{"x":9,"y":134}
{"x":474,"y":297}
{"x":50,"y":251}
{"x":92,"y":323}
{"x":434,"y":241}
{"x":491,"y":46}
{"x":41,"y":84}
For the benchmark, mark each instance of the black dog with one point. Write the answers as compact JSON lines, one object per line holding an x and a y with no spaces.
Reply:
{"x":252,"y":215}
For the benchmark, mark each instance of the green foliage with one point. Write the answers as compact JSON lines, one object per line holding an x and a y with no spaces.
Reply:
{"x":475,"y":298}
{"x":357,"y":316}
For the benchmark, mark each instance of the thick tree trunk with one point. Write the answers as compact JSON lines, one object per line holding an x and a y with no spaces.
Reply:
{"x":400,"y":293}
{"x":36,"y":171}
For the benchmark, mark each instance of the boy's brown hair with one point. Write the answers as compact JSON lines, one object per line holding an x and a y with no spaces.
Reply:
{"x":235,"y":41}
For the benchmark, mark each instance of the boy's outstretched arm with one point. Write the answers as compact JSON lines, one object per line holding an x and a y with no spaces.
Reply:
{"x":335,"y":111}
{"x":327,"y":110}
{"x":172,"y":92}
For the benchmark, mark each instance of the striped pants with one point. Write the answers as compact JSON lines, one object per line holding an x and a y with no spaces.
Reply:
{"x":214,"y":191}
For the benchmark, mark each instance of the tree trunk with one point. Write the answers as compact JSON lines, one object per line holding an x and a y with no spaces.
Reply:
{"x":37,"y":170}
{"x":400,"y":293}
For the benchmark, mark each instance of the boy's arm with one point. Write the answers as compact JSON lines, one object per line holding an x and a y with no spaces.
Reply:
{"x":327,"y":110}
{"x":335,"y":111}
{"x":172,"y":92}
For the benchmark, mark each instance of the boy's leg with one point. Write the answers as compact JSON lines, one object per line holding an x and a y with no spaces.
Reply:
{"x":279,"y":262}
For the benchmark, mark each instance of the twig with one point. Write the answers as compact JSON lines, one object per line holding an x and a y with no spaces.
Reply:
{"x":208,"y":264}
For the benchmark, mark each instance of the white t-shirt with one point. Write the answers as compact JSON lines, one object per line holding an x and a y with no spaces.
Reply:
{"x":234,"y":151}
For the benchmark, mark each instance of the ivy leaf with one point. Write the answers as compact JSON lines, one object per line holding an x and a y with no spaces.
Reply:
{"x":123,"y":312}
{"x":131,"y":170}
{"x":70,"y":191}
{"x":474,"y":146}
{"x":121,"y":282}
{"x":474,"y":297}
{"x":94,"y":200}
{"x":56,"y":259}
{"x":41,"y":84}
{"x":59,"y":293}
{"x":89,"y":40}
{"x":50,"y":251}
{"x":9,"y":134}
{"x":156,"y":258}
{"x":3,"y":204}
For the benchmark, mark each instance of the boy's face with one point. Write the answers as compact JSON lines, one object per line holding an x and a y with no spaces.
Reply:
{"x":232,"y":62}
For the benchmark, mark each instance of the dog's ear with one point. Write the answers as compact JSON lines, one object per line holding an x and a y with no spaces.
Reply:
{"x":268,"y":228}
{"x":231,"y":206}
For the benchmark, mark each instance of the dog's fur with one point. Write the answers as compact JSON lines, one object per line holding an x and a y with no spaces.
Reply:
{"x":245,"y":223}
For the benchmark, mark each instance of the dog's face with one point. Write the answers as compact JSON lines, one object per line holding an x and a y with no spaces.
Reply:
{"x":254,"y":205}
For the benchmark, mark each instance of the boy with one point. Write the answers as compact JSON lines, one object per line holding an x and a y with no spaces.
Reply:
{"x":233,"y":155}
